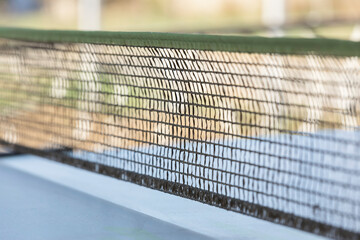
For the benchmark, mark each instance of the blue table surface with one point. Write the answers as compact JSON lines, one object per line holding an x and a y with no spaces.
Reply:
{"x":33,"y":208}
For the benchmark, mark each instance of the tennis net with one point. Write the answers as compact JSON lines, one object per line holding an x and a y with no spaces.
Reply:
{"x":263,"y":127}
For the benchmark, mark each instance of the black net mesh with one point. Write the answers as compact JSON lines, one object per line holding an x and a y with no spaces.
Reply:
{"x":268,"y":135}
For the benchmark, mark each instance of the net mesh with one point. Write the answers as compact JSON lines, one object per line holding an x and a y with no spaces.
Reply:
{"x":275,"y":136}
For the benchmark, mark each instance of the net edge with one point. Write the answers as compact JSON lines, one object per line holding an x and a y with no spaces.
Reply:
{"x":250,"y":44}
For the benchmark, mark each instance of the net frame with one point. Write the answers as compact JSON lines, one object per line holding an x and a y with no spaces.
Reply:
{"x":185,"y":50}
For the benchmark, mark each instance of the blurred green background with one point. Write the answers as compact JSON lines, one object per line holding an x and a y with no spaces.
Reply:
{"x":301,"y":18}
